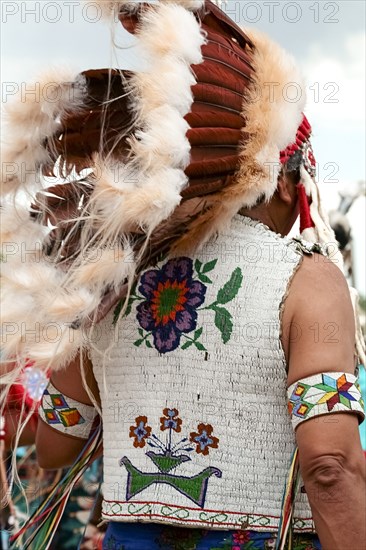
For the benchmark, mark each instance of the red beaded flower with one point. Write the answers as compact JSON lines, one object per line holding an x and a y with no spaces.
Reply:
{"x":204,"y":439}
{"x":171,"y":420}
{"x":140,"y":432}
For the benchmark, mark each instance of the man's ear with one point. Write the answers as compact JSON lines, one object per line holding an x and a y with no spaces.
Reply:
{"x":284,"y":189}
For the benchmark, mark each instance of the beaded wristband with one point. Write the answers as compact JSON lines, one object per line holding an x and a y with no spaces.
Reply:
{"x":324,"y":393}
{"x":66,"y":414}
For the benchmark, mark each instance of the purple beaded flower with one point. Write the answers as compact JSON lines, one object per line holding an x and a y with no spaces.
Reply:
{"x":172,"y":298}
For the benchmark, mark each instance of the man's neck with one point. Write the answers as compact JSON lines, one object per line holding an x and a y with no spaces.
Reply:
{"x":278,"y":215}
{"x":263,"y":215}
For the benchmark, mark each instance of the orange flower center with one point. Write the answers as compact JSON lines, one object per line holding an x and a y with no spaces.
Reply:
{"x":169,"y":298}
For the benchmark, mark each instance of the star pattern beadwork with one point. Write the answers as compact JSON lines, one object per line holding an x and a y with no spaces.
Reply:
{"x":322,"y":394}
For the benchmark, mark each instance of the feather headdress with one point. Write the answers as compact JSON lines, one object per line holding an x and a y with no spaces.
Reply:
{"x":143,"y":164}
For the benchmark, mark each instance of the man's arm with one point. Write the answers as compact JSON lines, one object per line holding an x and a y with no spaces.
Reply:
{"x":321,"y":339}
{"x":54,"y":449}
{"x":13,"y":418}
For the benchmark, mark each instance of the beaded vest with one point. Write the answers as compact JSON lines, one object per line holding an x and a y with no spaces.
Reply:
{"x":192,"y":378}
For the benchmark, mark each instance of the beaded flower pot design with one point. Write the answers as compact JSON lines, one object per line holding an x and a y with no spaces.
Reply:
{"x":168,"y":456}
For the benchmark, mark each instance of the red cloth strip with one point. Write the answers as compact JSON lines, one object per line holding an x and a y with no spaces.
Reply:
{"x":305,"y":217}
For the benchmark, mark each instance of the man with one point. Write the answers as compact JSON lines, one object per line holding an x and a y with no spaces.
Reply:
{"x":201,"y":164}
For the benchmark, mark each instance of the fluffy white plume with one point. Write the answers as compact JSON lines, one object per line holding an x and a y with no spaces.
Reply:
{"x":141,"y":193}
{"x":20,"y":237}
{"x":170,"y":85}
{"x":147,"y":189}
{"x":189,"y":4}
{"x":54,"y":346}
{"x":107,"y":267}
{"x":30,"y":116}
{"x":163,"y":141}
{"x":171,"y":30}
{"x":273,"y":112}
{"x":120,"y":208}
{"x":42,"y":292}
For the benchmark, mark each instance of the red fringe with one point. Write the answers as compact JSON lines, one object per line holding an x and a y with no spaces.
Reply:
{"x":305,"y":217}
{"x":303,"y":134}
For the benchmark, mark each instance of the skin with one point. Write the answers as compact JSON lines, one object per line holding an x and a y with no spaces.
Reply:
{"x":331,"y":459}
{"x":56,"y":450}
{"x":319,"y":336}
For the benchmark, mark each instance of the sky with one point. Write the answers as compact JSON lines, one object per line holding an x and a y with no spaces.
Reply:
{"x":326,"y":38}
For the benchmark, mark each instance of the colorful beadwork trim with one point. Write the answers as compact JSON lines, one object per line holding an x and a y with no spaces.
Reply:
{"x":65,"y":414}
{"x":323,"y":394}
{"x":113,"y":510}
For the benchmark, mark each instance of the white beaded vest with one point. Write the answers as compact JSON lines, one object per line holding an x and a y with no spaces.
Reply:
{"x":192,"y":380}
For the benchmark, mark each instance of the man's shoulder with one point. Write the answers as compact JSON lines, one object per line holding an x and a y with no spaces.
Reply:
{"x":318,"y":275}
{"x":318,"y":292}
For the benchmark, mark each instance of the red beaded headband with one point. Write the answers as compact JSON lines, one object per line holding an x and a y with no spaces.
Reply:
{"x":302,"y":144}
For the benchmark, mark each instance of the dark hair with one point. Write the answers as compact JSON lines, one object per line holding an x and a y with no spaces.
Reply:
{"x":293,"y":165}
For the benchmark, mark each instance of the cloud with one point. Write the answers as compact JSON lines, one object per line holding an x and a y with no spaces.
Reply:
{"x":336,"y":83}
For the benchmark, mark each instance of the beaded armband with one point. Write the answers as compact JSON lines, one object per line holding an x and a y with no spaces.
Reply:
{"x":324,"y":393}
{"x":65,"y":414}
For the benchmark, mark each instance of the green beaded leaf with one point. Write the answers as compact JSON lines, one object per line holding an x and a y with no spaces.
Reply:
{"x":209,"y":266}
{"x":120,"y":305}
{"x":200,"y":346}
{"x":187,"y":344}
{"x":138,"y":342}
{"x":231,"y":288}
{"x":223,"y":322}
{"x":117,"y":311}
{"x":198,"y":333}
{"x":198,"y":265}
{"x":204,"y":278}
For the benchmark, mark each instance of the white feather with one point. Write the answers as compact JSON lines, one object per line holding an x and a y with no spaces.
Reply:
{"x":13,"y":310}
{"x":66,"y":306}
{"x":268,"y":159}
{"x":32,"y":115}
{"x":125,"y":209}
{"x":163,"y":141}
{"x":147,"y":189}
{"x":168,"y":84}
{"x":188,"y":4}
{"x":54,"y":346}
{"x":273,"y":113}
{"x":34,"y":276}
{"x":171,"y":30}
{"x":322,"y":232}
{"x":104,"y":268}
{"x":21,"y":238}
{"x":142,"y":193}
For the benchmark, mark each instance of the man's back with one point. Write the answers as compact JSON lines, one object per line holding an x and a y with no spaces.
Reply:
{"x":194,"y":387}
